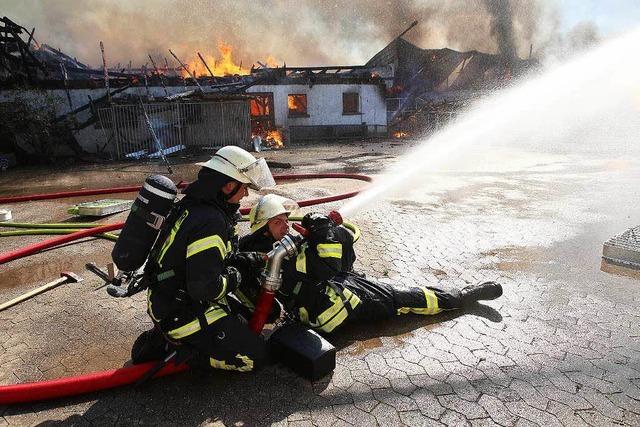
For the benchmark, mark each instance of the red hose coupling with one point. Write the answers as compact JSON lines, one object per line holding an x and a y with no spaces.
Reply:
{"x":335,"y":217}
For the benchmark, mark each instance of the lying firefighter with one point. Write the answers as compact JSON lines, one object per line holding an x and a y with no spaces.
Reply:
{"x":321,"y":289}
{"x":189,"y":274}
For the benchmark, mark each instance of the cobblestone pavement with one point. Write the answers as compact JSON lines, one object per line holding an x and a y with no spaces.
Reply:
{"x":561,"y":347}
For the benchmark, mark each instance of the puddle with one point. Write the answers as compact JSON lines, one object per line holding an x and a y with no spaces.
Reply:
{"x":46,"y":267}
{"x":362,"y":347}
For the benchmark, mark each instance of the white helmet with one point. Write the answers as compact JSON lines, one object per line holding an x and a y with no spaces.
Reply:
{"x":240,"y":165}
{"x":269,"y":206}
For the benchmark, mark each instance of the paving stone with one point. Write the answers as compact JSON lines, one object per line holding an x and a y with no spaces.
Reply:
{"x":529,"y":394}
{"x":566,"y":415}
{"x":586,"y":380}
{"x":405,"y":366}
{"x":435,"y":386}
{"x":484,"y":422}
{"x":386,"y":415}
{"x":403,"y":385}
{"x":601,"y":403}
{"x":463,"y":388}
{"x":497,"y":410}
{"x":454,"y":419}
{"x":362,"y":396}
{"x":427,"y":403}
{"x":572,"y":400}
{"x":468,"y":409}
{"x":399,"y":401}
{"x":417,"y":419}
{"x":532,"y":414}
{"x":353,"y":415}
{"x":625,"y":402}
{"x":372,"y":380}
{"x":594,"y":418}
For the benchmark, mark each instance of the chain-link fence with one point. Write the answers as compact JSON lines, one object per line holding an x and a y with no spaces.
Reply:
{"x":177,"y":125}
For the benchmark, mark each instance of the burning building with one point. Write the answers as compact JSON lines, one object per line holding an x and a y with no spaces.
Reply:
{"x":210,"y":102}
{"x":312,"y":103}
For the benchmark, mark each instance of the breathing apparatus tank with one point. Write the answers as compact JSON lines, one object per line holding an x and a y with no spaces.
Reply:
{"x":140,"y":231}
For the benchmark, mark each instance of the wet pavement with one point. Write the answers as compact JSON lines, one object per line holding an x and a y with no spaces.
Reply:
{"x":561,"y":347}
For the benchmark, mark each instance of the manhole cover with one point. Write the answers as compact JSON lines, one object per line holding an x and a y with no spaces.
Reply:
{"x":624,"y":249}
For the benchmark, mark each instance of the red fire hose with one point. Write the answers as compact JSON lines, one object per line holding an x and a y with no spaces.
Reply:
{"x":76,"y":193}
{"x":71,"y":386}
{"x":133,"y":189}
{"x":37,"y":247}
{"x":262,"y":310}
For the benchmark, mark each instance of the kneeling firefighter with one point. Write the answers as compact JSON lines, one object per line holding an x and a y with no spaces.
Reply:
{"x":188,"y":270}
{"x":320,"y":287}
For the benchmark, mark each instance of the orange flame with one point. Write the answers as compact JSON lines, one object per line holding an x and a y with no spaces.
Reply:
{"x":274,"y":139}
{"x":224,"y":65}
{"x":297,"y":104}
{"x":271,"y":62}
{"x":400,"y":134}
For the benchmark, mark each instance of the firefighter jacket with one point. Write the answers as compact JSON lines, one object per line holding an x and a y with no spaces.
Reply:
{"x":186,"y":269}
{"x":308,"y":289}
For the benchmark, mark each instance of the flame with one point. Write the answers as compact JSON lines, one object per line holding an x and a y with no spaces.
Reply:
{"x":297,"y":104}
{"x":271,"y":62}
{"x":400,"y":134}
{"x":274,"y":139}
{"x":223,"y":65}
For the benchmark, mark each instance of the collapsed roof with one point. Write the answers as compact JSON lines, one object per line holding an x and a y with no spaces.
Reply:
{"x":441,"y":70}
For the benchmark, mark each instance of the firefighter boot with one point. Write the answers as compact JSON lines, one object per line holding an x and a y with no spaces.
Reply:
{"x":480,"y":291}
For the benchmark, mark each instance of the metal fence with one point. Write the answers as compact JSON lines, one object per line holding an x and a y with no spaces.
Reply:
{"x":177,"y":126}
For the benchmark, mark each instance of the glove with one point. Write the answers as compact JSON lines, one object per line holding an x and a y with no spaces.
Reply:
{"x":318,"y":225}
{"x":246,"y":261}
{"x":233,"y":278}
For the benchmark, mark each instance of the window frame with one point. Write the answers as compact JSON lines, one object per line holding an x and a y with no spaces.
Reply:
{"x":294,"y":113}
{"x":357,"y":104}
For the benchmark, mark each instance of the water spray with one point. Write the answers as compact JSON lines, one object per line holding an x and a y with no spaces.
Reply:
{"x":590,"y":102}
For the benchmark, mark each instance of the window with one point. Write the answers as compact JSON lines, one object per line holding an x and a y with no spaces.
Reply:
{"x":350,"y":103}
{"x":297,"y":105}
{"x":260,"y":105}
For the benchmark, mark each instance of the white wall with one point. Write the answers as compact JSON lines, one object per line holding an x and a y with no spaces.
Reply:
{"x":324,"y":104}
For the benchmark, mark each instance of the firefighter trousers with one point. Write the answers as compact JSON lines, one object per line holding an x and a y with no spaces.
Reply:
{"x":227,"y":344}
{"x":378,"y":300}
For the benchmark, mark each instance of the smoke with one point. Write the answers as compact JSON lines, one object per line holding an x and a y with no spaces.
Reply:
{"x":502,"y":27}
{"x":298,"y":32}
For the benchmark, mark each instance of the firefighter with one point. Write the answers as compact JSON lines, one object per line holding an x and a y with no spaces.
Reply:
{"x":269,"y":222}
{"x":321,"y":288}
{"x":189,"y":272}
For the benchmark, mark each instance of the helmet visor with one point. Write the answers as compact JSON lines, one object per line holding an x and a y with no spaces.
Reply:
{"x":259,"y":175}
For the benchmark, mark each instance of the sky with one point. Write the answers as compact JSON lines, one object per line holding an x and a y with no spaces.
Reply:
{"x":611,"y":16}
